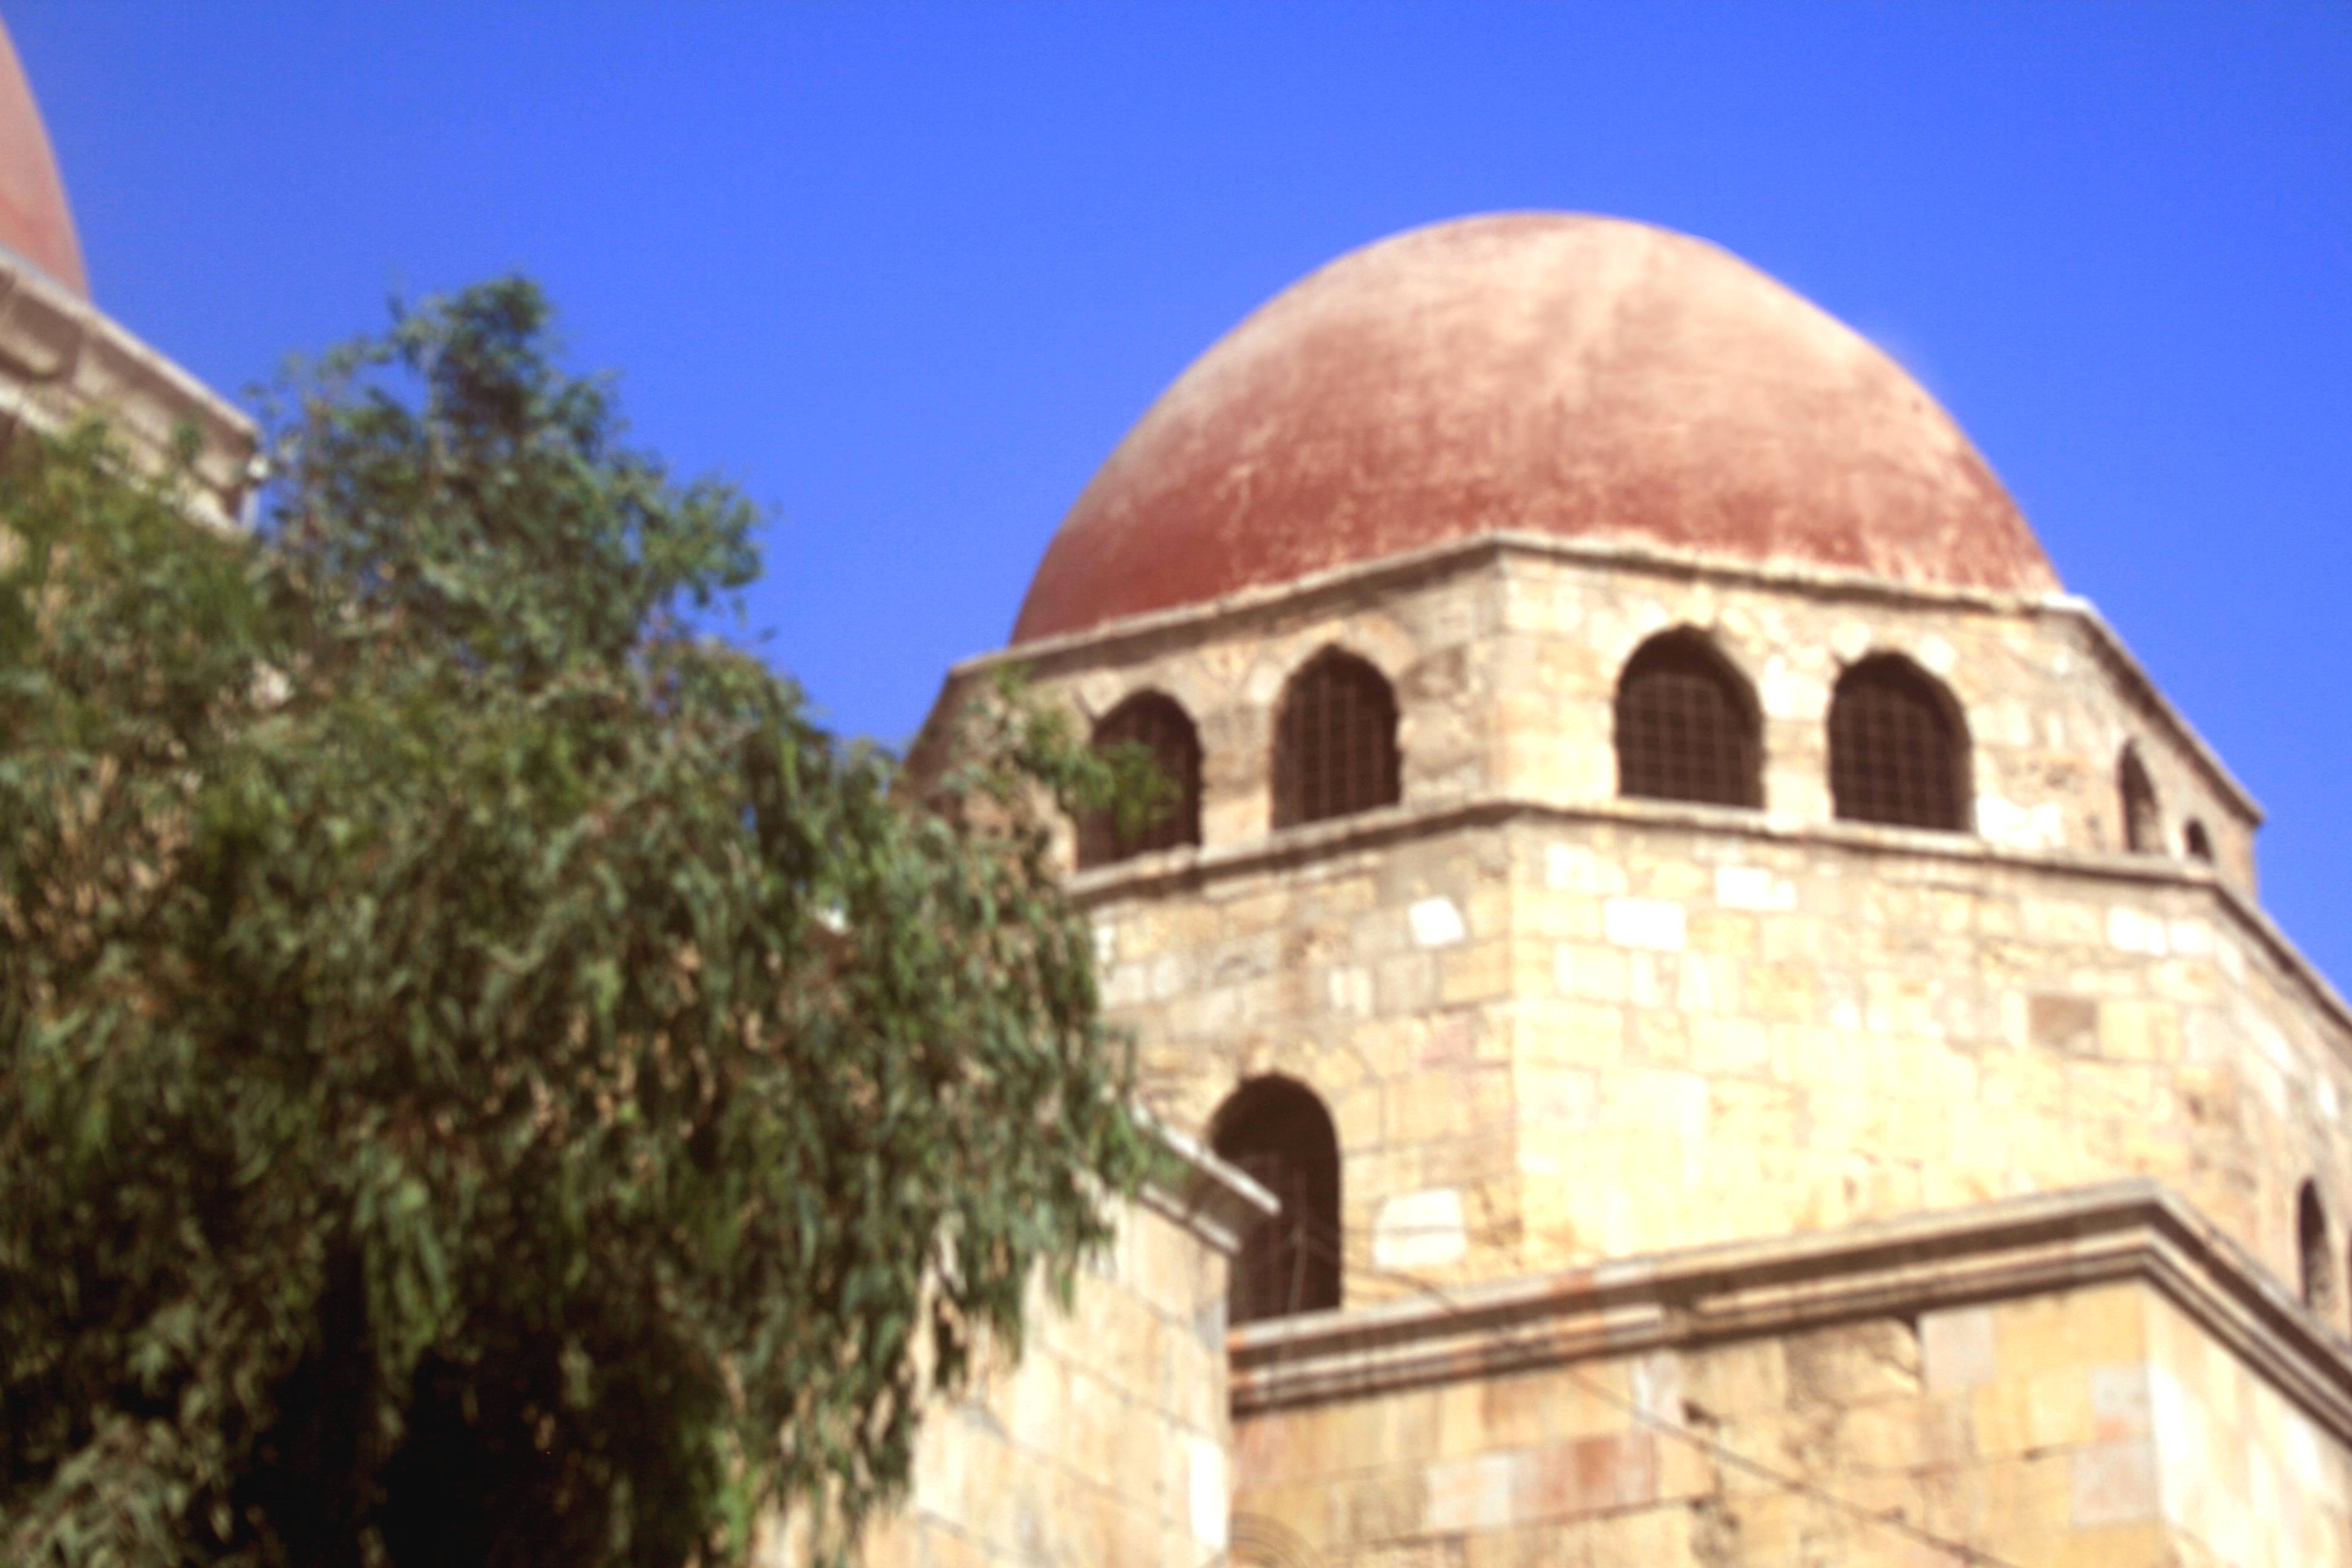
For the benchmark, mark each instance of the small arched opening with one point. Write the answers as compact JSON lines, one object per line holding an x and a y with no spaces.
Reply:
{"x":1334,"y":747}
{"x":1159,"y":724}
{"x":2143,"y":821}
{"x":2315,"y":1264}
{"x":1688,"y":727}
{"x":2196,"y":841}
{"x":1277,"y":1133}
{"x":1898,"y":748}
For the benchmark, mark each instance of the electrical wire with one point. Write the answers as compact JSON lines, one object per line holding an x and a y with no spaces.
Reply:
{"x":1971,"y":1557}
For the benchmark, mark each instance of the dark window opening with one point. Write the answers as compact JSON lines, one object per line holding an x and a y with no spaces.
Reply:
{"x":2199,"y":844}
{"x":1160,"y":725}
{"x":2311,"y":1246}
{"x":1278,"y":1133}
{"x":1897,"y":752}
{"x":1335,"y":744}
{"x":1686,"y":727}
{"x":2143,"y":823}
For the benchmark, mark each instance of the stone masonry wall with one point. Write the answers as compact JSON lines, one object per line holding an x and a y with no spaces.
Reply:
{"x":1107,"y":1445}
{"x":1506,"y":666}
{"x":1556,"y":1039}
{"x":1553,"y":1025}
{"x":1719,"y":1034}
{"x":2092,"y":1428}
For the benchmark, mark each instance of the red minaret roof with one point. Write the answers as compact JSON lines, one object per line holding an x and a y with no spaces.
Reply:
{"x":35,"y":221}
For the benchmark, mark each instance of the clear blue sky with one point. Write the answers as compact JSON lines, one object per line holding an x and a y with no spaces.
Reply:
{"x":909,"y":272}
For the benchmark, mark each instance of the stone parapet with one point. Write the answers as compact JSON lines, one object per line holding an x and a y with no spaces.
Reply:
{"x":62,"y":359}
{"x":1108,"y":1442}
{"x":2094,"y":1376}
{"x":2039,"y":1245}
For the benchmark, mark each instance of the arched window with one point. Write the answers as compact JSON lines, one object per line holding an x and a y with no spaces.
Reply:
{"x":1278,"y":1133}
{"x":1335,"y":751}
{"x":1160,"y":725}
{"x":1898,"y":752}
{"x":2199,"y":843}
{"x":2311,"y":1249}
{"x":2143,"y":824}
{"x":1686,"y":725}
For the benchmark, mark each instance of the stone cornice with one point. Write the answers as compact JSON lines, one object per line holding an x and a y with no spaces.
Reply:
{"x":1137,"y":634}
{"x":1396,"y":823}
{"x":2134,"y":1229}
{"x":2136,"y":681}
{"x":62,"y":359}
{"x":1216,"y":1201}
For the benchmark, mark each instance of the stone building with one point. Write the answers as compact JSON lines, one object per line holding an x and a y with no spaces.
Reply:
{"x":1755,"y":1007}
{"x":62,"y":358}
{"x":1114,"y":1428}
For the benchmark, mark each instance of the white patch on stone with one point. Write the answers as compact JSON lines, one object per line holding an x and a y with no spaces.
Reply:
{"x":1657,"y":1380}
{"x":1644,"y":922}
{"x":1956,"y":1349}
{"x":2131,"y":931}
{"x":1420,"y":1230}
{"x":1573,"y":869}
{"x":1936,"y":655}
{"x":1169,"y":974}
{"x":1474,"y":1495}
{"x":1696,"y":990}
{"x":2002,"y":821}
{"x":1125,"y":986}
{"x":2331,"y":1104}
{"x":1785,"y":693}
{"x":1106,"y":944}
{"x":1211,"y":1500}
{"x":1850,"y":641}
{"x":1753,"y":888}
{"x":2192,"y":937}
{"x":1351,"y":990}
{"x":1437,"y":922}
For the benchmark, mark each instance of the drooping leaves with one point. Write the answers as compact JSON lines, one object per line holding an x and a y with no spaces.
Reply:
{"x":483,"y":1077}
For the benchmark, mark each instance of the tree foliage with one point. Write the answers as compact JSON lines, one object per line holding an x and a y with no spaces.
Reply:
{"x":483,"y":1077}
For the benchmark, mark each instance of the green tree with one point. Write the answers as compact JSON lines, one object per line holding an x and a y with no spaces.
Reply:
{"x":483,"y":1077}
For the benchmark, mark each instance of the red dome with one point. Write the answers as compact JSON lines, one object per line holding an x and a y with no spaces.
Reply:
{"x":1581,"y":376}
{"x":35,"y":221}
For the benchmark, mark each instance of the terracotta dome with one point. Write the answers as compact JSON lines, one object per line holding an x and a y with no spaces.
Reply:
{"x":35,"y":222}
{"x":1580,"y":376}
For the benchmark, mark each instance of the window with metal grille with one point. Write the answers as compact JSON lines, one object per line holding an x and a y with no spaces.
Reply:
{"x":1160,"y":725}
{"x":1277,"y":1132}
{"x":1687,"y":726}
{"x":1335,"y":751}
{"x":2311,"y":1242}
{"x":2198,"y":842}
{"x":1897,"y":752}
{"x":2143,"y":823}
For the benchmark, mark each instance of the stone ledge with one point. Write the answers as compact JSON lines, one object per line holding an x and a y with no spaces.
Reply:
{"x":1125,"y":638}
{"x":2131,"y":1229}
{"x":62,"y":359}
{"x":1214,"y":1200}
{"x":1194,"y":866}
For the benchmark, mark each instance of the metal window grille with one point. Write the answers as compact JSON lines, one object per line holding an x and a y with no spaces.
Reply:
{"x":1684,"y":730}
{"x":1334,"y":745}
{"x":1278,"y":1133}
{"x":1158,"y":725}
{"x":2311,"y":1236}
{"x":2143,"y":824}
{"x":1893,"y":756}
{"x":2200,"y":845}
